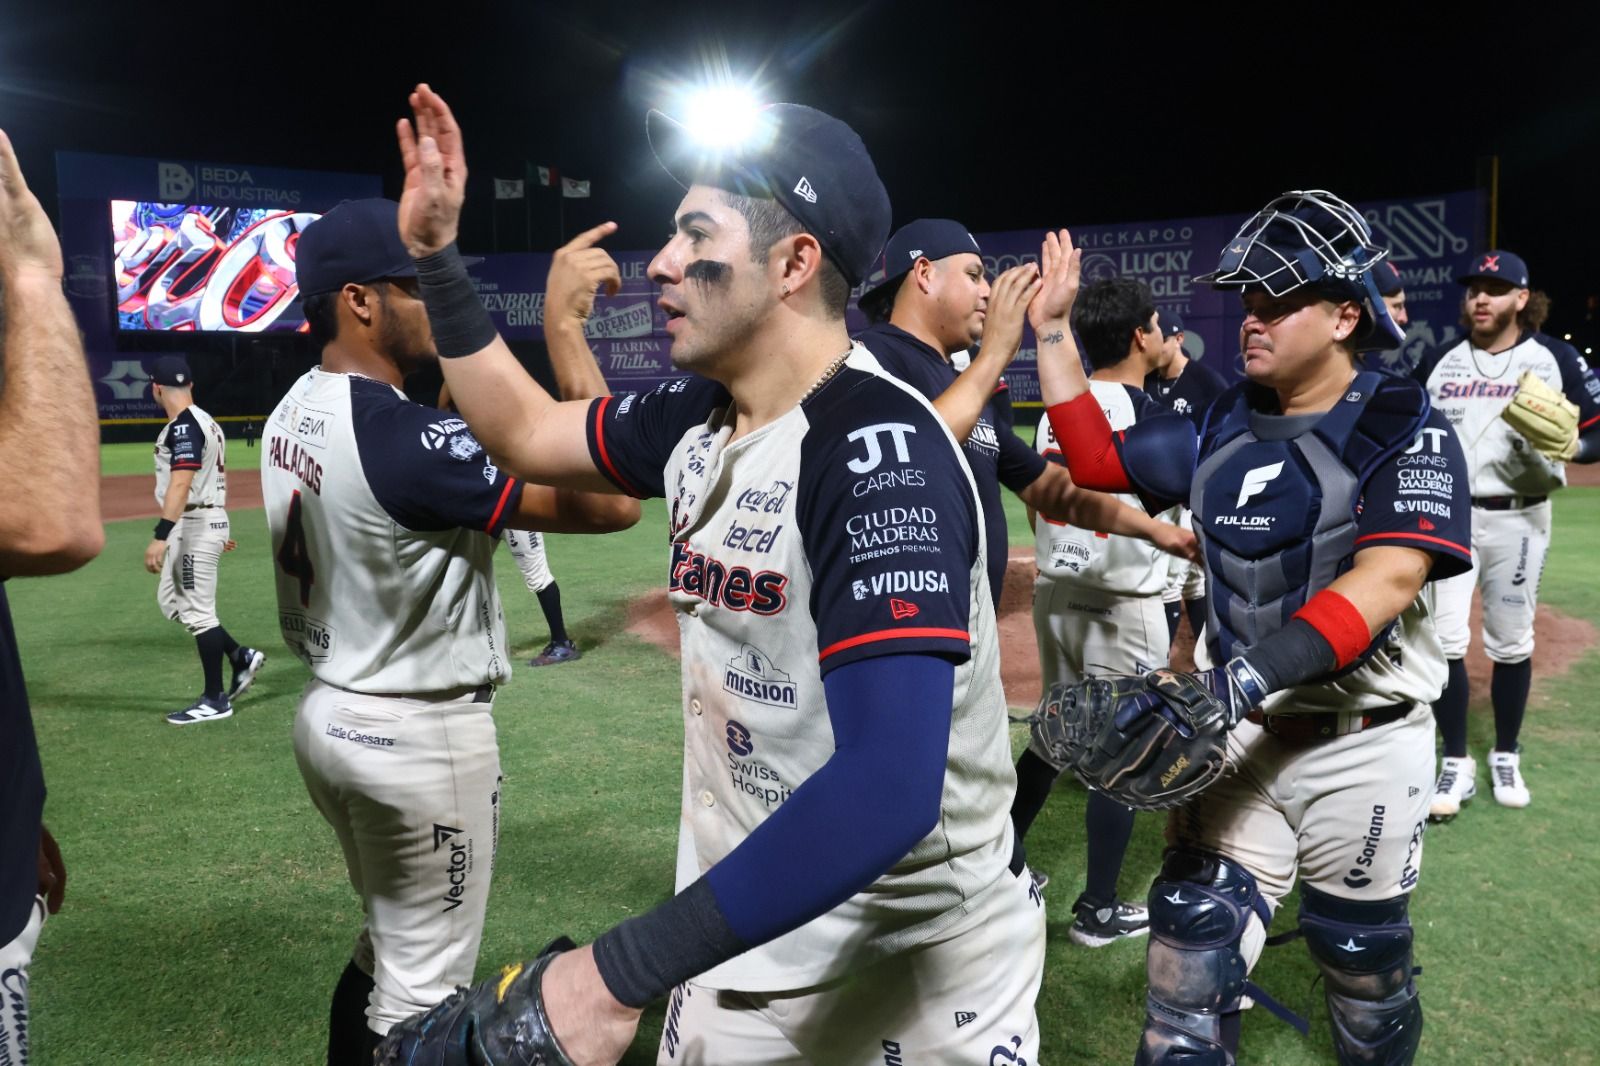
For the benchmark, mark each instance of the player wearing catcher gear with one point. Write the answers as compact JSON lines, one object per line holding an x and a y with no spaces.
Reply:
{"x":383,"y":516}
{"x":1523,"y":405}
{"x":828,"y":570}
{"x":192,"y":490}
{"x":1318,"y":532}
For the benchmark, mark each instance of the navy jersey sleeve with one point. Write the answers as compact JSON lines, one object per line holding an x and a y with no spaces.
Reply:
{"x":1578,"y":381}
{"x":1421,"y":499}
{"x":890,"y":525}
{"x":424,"y":466}
{"x":631,"y":436}
{"x":1020,"y":465}
{"x":186,"y":441}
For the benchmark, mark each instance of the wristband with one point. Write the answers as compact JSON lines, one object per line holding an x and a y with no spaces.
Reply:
{"x":164,"y":528}
{"x":461,"y":325}
{"x":645,"y":957}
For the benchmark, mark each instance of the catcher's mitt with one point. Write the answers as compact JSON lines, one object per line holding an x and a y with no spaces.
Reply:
{"x":1150,"y":742}
{"x":497,"y":1022}
{"x":1545,"y":417}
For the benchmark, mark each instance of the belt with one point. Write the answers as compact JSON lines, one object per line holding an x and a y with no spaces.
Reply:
{"x":200,"y":507}
{"x":1325,"y":725}
{"x":481,"y":694}
{"x":1507,"y":503}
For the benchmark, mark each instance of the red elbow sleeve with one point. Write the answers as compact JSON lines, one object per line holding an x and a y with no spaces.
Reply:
{"x":1339,"y":623}
{"x":1089,"y":445}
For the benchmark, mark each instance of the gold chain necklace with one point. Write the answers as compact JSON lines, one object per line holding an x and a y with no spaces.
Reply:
{"x":827,"y":375}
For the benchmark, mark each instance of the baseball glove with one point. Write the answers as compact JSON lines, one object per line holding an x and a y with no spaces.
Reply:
{"x":497,"y":1022}
{"x":1150,"y":742}
{"x":1545,"y":417}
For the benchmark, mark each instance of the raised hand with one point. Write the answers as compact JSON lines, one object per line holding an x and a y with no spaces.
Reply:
{"x":576,"y":271}
{"x":436,"y":174}
{"x":28,"y":244}
{"x":1008,"y":305}
{"x":1060,"y":268}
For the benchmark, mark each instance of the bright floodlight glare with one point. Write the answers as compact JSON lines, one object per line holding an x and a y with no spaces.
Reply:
{"x":722,"y":117}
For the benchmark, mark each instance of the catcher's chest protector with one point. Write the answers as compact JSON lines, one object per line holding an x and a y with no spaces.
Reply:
{"x":1275,"y":500}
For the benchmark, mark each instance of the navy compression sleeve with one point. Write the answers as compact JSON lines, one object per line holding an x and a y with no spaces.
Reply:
{"x":869,"y":804}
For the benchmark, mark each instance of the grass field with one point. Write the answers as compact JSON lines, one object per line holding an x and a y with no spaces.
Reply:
{"x":208,"y":916}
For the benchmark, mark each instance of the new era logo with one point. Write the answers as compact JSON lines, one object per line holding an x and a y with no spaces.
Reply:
{"x":1424,"y":525}
{"x":965,"y":1017}
{"x":441,"y":833}
{"x":803,"y":189}
{"x":1411,"y":793}
{"x":902,"y":609}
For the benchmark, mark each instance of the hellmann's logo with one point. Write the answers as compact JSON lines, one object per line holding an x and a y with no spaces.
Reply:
{"x":1174,"y":770}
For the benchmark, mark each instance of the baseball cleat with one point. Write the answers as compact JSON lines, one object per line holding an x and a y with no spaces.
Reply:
{"x":204,"y":709}
{"x":1506,"y":772}
{"x":1458,"y":783}
{"x":1040,"y":878}
{"x":244,"y":671}
{"x":1096,"y":926}
{"x":556,"y":652}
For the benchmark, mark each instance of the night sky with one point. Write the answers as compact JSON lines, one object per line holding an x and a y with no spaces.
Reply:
{"x":983,"y":112}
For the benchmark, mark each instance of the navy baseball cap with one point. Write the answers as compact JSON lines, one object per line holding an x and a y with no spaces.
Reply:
{"x":1171,"y":322}
{"x":810,"y":162}
{"x":926,"y":238}
{"x":172,"y":371}
{"x":356,"y":242}
{"x":1387,"y":277}
{"x":1500,"y":265}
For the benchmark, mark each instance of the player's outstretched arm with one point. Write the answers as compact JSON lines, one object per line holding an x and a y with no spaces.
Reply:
{"x":1054,"y":495}
{"x":961,"y":405}
{"x":1061,"y":376}
{"x":50,"y":524}
{"x":537,"y":437}
{"x":548,"y":510}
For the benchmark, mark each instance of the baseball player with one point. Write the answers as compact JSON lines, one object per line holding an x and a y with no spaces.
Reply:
{"x":1318,"y":536}
{"x":1474,"y":384}
{"x":1391,"y":286}
{"x":49,"y":525}
{"x":192,"y":489}
{"x":828,"y":570}
{"x":1188,"y":387}
{"x":384,"y":516}
{"x":1097,"y":600}
{"x":527,"y":551}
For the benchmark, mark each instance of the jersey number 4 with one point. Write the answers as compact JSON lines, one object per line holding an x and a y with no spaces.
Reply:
{"x":293,"y":555}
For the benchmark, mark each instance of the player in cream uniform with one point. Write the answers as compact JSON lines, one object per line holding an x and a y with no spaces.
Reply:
{"x":192,"y":492}
{"x":1471,"y":384}
{"x":384,"y":517}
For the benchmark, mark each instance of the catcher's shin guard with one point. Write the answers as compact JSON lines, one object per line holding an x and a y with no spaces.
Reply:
{"x":1364,"y":952}
{"x":1200,"y":906}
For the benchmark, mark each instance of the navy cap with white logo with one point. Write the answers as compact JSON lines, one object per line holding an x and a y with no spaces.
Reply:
{"x":810,"y":162}
{"x":926,"y":238}
{"x":1387,"y":277}
{"x":171,"y":371}
{"x":1171,"y":322}
{"x":1497,"y":264}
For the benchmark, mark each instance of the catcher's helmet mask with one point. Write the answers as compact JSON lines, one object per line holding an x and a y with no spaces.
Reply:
{"x":1311,"y":238}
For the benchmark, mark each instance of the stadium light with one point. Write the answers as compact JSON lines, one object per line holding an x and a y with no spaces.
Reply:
{"x":722,"y":116}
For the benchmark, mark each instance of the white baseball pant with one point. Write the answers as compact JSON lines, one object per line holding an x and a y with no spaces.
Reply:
{"x":527,"y":548}
{"x":966,"y":996}
{"x":187,"y":591}
{"x":411,"y":787}
{"x":1508,"y":553}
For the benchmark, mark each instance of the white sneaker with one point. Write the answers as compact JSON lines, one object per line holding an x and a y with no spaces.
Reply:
{"x":1458,"y":783}
{"x":1509,"y":788}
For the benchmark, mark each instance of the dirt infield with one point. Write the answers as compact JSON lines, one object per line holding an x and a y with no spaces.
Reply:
{"x":134,"y":495}
{"x":1561,"y":639}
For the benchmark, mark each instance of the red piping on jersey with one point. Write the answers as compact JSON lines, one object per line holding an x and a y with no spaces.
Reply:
{"x":894,"y":634}
{"x":187,"y":466}
{"x":1592,"y":421}
{"x":1339,"y":623}
{"x":1086,"y":439}
{"x":605,"y":456}
{"x":1415,"y":536}
{"x":505,"y":494}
